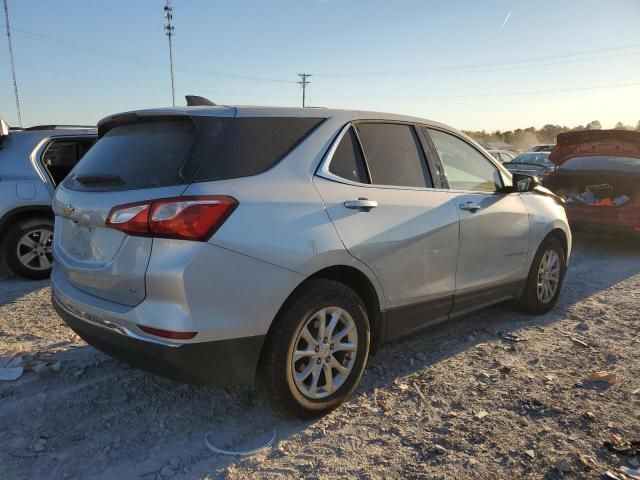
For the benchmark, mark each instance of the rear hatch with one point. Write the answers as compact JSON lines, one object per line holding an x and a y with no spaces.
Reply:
{"x":595,"y":143}
{"x":598,"y":170}
{"x":138,"y":157}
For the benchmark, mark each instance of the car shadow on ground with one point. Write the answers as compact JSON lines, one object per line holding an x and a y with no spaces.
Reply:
{"x":14,"y":287}
{"x":172,"y":418}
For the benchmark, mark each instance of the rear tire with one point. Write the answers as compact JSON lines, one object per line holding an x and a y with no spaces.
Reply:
{"x":307,"y":370}
{"x":27,"y":248}
{"x":545,"y":279}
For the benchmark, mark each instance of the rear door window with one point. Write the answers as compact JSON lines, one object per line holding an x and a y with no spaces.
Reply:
{"x":394,"y":155}
{"x":252,"y":145}
{"x":347,"y":161}
{"x":466,"y":168}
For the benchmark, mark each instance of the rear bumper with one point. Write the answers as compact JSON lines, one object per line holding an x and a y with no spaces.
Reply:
{"x":222,"y":362}
{"x":615,"y":220}
{"x":604,"y":228}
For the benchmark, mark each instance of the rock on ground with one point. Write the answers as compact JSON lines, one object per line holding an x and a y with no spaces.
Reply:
{"x":495,"y":395}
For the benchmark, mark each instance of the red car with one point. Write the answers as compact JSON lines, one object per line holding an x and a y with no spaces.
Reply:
{"x":597,"y":173}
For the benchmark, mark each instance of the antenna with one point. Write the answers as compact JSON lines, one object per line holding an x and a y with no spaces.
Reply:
{"x":13,"y":66}
{"x":304,"y":82}
{"x":169,"y":30}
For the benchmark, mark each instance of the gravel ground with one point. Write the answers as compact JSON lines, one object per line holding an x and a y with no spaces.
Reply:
{"x":495,"y":395}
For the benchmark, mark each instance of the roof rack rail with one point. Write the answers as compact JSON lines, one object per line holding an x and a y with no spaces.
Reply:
{"x":59,"y":127}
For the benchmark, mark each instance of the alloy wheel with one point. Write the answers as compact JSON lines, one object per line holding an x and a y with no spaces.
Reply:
{"x":324,"y":352}
{"x":34,"y":249}
{"x":548,"y":276}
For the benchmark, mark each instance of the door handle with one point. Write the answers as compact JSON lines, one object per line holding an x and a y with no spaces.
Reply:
{"x":363,"y":204}
{"x":470,"y":207}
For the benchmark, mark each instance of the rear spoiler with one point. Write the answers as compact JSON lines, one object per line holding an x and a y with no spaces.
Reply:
{"x":4,"y":130}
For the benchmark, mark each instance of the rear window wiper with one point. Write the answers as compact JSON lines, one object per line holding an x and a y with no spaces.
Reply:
{"x":99,"y":179}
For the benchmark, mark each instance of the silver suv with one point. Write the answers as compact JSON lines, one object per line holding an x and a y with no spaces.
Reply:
{"x":226,"y":244}
{"x":32,"y":162}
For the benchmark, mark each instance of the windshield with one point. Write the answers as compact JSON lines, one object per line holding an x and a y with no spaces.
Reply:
{"x":541,"y":159}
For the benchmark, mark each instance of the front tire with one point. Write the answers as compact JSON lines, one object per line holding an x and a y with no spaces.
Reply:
{"x":316,"y":351}
{"x":546,"y":275}
{"x":27,"y":248}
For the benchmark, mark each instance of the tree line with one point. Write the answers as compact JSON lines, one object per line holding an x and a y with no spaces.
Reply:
{"x":522,"y":138}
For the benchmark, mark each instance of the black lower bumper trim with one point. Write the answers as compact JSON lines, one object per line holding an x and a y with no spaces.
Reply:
{"x":223,"y":362}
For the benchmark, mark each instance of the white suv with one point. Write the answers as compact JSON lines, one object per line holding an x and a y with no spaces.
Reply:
{"x":233,"y":244}
{"x":32,"y":162}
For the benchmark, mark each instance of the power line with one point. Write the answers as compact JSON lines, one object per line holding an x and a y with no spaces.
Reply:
{"x":13,"y":66}
{"x":503,"y":94}
{"x":169,"y":30}
{"x":477,"y":67}
{"x":137,"y":84}
{"x":304,"y":82}
{"x":464,"y":68}
{"x":98,"y":51}
{"x":145,"y":60}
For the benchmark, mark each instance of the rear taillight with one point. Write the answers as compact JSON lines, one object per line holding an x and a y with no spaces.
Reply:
{"x":547,"y":171}
{"x":636,"y":229}
{"x":187,"y":218}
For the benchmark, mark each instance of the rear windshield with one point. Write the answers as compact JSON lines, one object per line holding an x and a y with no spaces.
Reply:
{"x":196,"y":149}
{"x":137,"y":155}
{"x":610,"y":164}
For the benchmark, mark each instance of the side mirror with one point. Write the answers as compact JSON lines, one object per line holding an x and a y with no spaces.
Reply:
{"x":524,"y":183}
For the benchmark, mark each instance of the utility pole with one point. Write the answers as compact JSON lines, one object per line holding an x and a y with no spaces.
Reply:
{"x":169,"y":30}
{"x":13,"y":65}
{"x":304,"y":82}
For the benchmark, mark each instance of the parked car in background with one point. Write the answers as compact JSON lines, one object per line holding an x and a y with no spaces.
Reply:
{"x":227,"y":244}
{"x":32,"y":162}
{"x":544,"y":147}
{"x":503,"y":156}
{"x":598,"y":174}
{"x":536,"y":164}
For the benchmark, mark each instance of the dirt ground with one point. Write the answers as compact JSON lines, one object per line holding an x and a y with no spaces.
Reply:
{"x":495,"y":395}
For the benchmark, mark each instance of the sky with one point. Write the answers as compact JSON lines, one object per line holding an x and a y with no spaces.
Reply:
{"x":491,"y":64}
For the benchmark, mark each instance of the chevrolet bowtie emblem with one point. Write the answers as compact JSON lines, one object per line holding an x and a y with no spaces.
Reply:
{"x":68,"y":210}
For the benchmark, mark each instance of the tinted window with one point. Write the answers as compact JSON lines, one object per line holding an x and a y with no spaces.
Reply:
{"x":181,"y":151}
{"x":253,"y":145}
{"x":142,"y":155}
{"x":394,"y":155}
{"x":347,"y":160}
{"x":61,"y":156}
{"x":466,"y":168}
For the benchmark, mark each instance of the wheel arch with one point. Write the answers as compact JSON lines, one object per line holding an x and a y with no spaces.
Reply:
{"x":561,"y":236}
{"x":558,"y":233}
{"x":359,"y":282}
{"x":24,"y":213}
